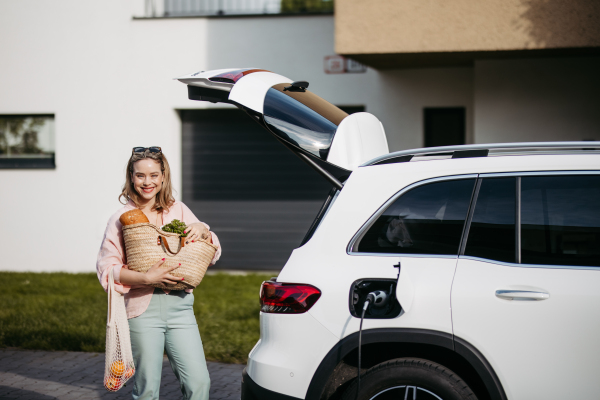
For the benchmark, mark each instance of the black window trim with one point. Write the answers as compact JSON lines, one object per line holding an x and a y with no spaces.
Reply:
{"x":331,"y":196}
{"x":518,"y":220}
{"x":351,"y":249}
{"x":472,"y":206}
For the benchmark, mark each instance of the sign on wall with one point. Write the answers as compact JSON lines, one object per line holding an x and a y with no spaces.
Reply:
{"x":341,"y":65}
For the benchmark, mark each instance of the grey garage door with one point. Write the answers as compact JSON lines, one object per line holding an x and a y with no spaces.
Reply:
{"x":253,"y":192}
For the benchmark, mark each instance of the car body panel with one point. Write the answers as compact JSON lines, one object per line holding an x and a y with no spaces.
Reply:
{"x":359,"y":137}
{"x":201,"y":79}
{"x":289,"y":352}
{"x":539,"y":349}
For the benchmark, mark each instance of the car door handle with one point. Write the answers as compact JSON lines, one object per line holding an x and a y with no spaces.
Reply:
{"x":525,"y":295}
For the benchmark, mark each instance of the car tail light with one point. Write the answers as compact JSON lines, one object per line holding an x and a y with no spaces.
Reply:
{"x":233,"y":76}
{"x":287,"y":298}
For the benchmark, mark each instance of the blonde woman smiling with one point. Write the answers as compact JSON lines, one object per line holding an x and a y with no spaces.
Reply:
{"x":159,"y":319}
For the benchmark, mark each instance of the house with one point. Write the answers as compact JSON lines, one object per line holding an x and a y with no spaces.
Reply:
{"x":84,"y":82}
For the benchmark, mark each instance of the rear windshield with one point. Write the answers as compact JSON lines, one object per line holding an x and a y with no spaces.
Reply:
{"x":302,"y":119}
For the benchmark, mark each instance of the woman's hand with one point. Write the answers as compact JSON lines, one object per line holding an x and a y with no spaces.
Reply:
{"x":196,"y":232}
{"x":157,"y":274}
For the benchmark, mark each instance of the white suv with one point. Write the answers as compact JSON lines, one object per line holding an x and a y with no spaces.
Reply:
{"x":481,"y":264}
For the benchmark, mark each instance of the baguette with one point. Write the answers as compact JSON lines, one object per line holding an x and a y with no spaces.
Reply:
{"x":133,"y":217}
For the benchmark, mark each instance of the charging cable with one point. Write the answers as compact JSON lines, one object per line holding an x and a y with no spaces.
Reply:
{"x":370,"y":299}
{"x":379,"y":298}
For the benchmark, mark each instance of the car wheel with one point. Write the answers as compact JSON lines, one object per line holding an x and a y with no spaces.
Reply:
{"x":412,"y":379}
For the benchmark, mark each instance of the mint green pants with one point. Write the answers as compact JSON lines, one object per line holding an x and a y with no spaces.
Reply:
{"x":168,"y":324}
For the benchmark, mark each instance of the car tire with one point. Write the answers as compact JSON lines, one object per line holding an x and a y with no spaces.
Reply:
{"x":422,"y":379}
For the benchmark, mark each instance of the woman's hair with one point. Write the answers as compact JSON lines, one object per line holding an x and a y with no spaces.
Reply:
{"x":164,"y":198}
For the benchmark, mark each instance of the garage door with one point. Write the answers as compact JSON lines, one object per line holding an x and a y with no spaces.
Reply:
{"x":253,"y":192}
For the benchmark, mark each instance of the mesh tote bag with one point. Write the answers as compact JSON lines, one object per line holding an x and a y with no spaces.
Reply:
{"x":118,"y":367}
{"x":145,"y":244}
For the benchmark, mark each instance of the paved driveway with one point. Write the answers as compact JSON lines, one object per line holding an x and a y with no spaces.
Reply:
{"x":48,"y":375}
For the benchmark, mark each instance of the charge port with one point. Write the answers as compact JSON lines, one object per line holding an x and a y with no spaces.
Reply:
{"x":362,"y":287}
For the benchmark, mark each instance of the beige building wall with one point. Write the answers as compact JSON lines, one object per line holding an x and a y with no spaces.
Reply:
{"x":537,"y":100}
{"x":405,"y":27}
{"x":401,"y":96}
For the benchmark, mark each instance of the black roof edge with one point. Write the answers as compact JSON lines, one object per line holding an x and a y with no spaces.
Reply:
{"x":471,"y":153}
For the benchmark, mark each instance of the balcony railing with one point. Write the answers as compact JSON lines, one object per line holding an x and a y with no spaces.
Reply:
{"x":198,"y":8}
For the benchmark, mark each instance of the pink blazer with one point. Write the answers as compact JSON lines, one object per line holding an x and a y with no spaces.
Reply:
{"x":112,"y":255}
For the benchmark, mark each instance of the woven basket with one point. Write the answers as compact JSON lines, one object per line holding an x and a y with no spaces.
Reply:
{"x":146,"y":244}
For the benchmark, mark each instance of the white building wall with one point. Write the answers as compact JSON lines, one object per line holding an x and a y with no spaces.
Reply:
{"x":537,"y":100}
{"x":107,"y":78}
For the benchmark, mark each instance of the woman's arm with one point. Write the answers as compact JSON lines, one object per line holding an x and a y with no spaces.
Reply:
{"x":154,"y":275}
{"x":111,"y":255}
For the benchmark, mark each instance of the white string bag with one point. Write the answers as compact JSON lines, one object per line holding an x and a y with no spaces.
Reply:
{"x":118,"y":367}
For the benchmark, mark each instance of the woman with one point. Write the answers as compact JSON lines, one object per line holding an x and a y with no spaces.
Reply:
{"x":159,"y":319}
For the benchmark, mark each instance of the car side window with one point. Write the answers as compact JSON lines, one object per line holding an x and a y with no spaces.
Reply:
{"x":428,"y":219}
{"x":492,"y":233}
{"x":560,"y":220}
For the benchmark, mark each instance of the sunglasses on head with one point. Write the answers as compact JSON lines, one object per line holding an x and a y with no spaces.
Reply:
{"x":153,"y":149}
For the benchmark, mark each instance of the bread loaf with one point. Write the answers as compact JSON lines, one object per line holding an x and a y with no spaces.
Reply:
{"x":133,"y":217}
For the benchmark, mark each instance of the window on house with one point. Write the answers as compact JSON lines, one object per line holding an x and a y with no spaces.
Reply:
{"x":26,"y":141}
{"x":444,"y":126}
{"x":428,"y":219}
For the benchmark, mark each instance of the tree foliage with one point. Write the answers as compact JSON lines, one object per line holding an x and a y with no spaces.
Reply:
{"x":306,"y":6}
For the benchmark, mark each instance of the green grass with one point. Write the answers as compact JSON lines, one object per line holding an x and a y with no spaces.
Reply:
{"x":61,"y":311}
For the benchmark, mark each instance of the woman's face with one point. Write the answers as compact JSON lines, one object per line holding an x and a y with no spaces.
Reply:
{"x":147,"y":178}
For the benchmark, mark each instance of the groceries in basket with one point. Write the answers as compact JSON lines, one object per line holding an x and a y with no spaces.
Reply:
{"x":145,"y":244}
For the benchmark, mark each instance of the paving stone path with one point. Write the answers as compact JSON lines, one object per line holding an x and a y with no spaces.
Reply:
{"x":65,"y":375}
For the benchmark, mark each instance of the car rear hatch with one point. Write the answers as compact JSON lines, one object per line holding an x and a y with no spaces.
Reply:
{"x":325,"y":137}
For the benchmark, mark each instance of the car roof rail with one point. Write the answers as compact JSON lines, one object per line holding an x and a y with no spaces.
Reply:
{"x":483,"y":150}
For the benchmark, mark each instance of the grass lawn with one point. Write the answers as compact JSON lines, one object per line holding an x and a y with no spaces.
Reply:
{"x":60,"y":311}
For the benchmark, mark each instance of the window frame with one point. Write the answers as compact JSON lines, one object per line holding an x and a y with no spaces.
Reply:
{"x":26,"y":162}
{"x":352,"y":247}
{"x":518,"y":176}
{"x":353,"y":244}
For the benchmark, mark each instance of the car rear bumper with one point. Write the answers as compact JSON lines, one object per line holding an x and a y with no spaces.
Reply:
{"x":290,"y":349}
{"x":253,"y":391}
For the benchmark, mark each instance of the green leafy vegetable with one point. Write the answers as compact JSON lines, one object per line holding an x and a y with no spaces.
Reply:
{"x":176,"y":226}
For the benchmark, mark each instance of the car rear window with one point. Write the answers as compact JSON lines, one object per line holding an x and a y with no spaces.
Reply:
{"x":317,"y":104}
{"x":492,"y":233}
{"x":302,"y":118}
{"x":428,"y":219}
{"x":560,"y":220}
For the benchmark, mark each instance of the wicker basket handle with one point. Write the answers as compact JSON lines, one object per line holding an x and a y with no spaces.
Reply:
{"x":165,"y":245}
